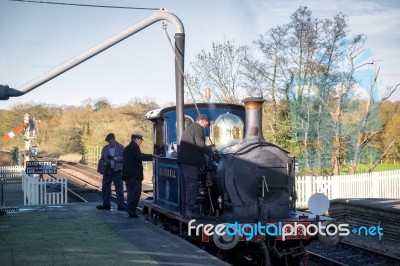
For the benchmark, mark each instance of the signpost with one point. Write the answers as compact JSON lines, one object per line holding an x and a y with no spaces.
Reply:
{"x":36,"y":167}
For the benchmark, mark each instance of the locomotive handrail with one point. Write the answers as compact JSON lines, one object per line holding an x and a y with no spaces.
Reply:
{"x":250,"y":146}
{"x":6,"y":92}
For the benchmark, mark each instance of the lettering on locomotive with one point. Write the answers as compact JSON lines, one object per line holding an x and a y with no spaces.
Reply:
{"x":167,"y":172}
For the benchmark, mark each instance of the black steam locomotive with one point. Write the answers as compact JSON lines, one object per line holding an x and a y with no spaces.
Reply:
{"x":246,"y":190}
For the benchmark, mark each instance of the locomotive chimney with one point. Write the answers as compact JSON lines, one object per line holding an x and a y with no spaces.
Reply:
{"x":253,"y":107}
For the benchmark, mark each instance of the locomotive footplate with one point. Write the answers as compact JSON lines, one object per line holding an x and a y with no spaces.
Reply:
{"x":206,"y":226}
{"x":150,"y":207}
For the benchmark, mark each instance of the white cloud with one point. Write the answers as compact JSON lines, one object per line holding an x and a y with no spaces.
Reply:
{"x":377,"y":24}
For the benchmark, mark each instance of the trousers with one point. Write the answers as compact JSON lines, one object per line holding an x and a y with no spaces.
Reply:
{"x":189,"y":186}
{"x":134,"y":188}
{"x":116,"y":178}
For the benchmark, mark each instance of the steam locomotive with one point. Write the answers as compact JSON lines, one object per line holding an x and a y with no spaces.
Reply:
{"x":246,"y":190}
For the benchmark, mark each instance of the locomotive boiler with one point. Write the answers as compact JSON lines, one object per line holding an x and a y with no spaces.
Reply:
{"x":249,"y":184}
{"x":255,"y":178}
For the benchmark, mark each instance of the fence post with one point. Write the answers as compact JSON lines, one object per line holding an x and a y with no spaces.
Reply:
{"x":376,"y":188}
{"x":2,"y":181}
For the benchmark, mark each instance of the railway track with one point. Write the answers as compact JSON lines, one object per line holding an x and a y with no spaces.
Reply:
{"x":84,"y":183}
{"x":87,"y":176}
{"x":347,"y":254}
{"x":81,"y":174}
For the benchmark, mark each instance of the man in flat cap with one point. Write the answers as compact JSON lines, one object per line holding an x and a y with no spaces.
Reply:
{"x":112,"y":155}
{"x":190,"y":157}
{"x":132,"y":172}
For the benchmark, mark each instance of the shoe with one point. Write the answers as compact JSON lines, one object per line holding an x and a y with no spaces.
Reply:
{"x":133,"y":215}
{"x":103,"y":207}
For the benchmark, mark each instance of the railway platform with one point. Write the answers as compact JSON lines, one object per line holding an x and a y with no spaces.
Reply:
{"x":370,"y":214}
{"x":390,"y":205}
{"x":79,"y":234}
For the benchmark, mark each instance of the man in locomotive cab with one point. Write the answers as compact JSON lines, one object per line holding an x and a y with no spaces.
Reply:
{"x":191,"y":157}
{"x":132,"y":172}
{"x":112,"y":155}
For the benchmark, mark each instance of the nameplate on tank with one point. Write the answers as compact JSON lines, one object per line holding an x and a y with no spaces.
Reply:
{"x":168,"y":183}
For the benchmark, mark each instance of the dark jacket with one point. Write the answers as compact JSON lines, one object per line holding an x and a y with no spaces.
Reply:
{"x":132,"y":165}
{"x":192,"y":146}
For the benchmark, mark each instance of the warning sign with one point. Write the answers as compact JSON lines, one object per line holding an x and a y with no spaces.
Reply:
{"x":36,"y":167}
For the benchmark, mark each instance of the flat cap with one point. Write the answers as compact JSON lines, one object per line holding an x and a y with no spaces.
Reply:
{"x":110,"y":137}
{"x":137,"y":136}
{"x":202,"y":117}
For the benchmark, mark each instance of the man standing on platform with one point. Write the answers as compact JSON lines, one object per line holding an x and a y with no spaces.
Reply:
{"x":112,"y":154}
{"x":132,"y":172}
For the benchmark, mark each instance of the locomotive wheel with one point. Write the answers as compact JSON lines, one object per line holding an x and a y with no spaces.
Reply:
{"x":225,"y":241}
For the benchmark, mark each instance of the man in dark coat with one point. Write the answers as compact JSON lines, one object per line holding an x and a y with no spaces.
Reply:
{"x":132,"y":172}
{"x":191,"y":156}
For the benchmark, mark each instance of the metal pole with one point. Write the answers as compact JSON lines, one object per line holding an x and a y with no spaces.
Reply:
{"x":179,"y":78}
{"x":26,"y":139}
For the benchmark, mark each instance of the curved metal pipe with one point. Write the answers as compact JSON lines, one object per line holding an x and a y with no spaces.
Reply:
{"x":6,"y":92}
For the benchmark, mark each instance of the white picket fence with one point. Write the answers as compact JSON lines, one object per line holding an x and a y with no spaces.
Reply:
{"x":11,"y":172}
{"x":40,"y":191}
{"x":367,"y":185}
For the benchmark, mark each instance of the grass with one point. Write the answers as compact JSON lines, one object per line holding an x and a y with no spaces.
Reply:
{"x":386,"y":167}
{"x":364,"y":168}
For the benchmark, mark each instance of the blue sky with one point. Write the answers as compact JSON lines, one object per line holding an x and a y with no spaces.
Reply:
{"x":36,"y":37}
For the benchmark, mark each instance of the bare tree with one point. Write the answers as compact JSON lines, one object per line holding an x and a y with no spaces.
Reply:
{"x":370,"y":124}
{"x":302,"y":70}
{"x":219,"y":70}
{"x":265,"y":78}
{"x":298,"y":73}
{"x":341,"y":98}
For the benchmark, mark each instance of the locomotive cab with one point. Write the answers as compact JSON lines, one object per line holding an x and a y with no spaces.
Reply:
{"x":226,"y":128}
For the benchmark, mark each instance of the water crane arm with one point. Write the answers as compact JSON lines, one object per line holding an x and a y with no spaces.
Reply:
{"x":6,"y":92}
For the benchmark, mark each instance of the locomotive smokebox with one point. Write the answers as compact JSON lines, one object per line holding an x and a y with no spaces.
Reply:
{"x":253,"y":107}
